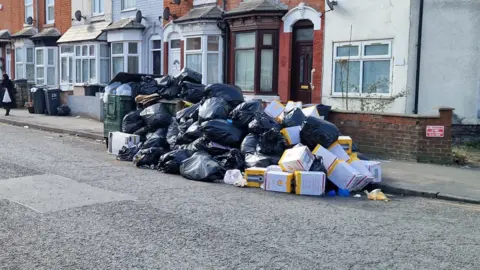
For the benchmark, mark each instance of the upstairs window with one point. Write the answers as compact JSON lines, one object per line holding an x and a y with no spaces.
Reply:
{"x":98,"y":7}
{"x":128,"y":4}
{"x":50,"y":11}
{"x":28,"y":9}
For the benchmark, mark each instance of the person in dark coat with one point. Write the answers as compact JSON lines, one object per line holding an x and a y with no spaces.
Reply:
{"x":6,"y":85}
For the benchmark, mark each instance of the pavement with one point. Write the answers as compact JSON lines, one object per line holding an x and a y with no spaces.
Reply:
{"x":66,"y":204}
{"x":413,"y":179}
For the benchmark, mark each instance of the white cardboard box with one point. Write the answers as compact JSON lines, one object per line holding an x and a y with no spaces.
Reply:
{"x":344,"y":176}
{"x":311,"y":111}
{"x":375,"y":168}
{"x":338,"y":151}
{"x":310,"y":183}
{"x":274,"y":109}
{"x":292,"y":105}
{"x":292,"y":134}
{"x":328,"y":157}
{"x":368,"y":178}
{"x":296,"y":159}
{"x":278,"y":181}
{"x":116,"y":140}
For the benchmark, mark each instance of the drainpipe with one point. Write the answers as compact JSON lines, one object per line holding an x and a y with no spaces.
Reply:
{"x":419,"y":56}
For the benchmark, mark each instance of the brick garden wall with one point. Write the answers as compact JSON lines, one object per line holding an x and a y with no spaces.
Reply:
{"x":465,"y":134}
{"x":398,"y":136}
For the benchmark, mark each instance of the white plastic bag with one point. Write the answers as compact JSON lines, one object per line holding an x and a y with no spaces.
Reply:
{"x":6,"y":97}
{"x":124,"y":90}
{"x":110,"y":90}
{"x":234,"y":177}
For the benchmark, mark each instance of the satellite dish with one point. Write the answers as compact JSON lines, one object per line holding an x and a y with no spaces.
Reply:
{"x":331,"y":4}
{"x":139,"y":17}
{"x":29,"y":20}
{"x":166,"y":14}
{"x":78,"y":15}
{"x":176,"y":2}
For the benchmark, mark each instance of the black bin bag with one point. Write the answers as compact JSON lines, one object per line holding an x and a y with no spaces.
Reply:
{"x":166,"y":81}
{"x":170,"y":92}
{"x":171,"y":161}
{"x":192,"y":92}
{"x":148,"y":158}
{"x":231,"y":160}
{"x":271,"y":143}
{"x":249,"y":144}
{"x":156,"y":116}
{"x":317,"y":131}
{"x":148,"y":86}
{"x":212,"y":148}
{"x":157,"y":139}
{"x":230,"y":93}
{"x":172,"y":134}
{"x":260,"y":160}
{"x":221,"y":131}
{"x":213,"y":108}
{"x":318,"y":166}
{"x":191,"y":134}
{"x":262,"y":122}
{"x":294,"y":118}
{"x":132,"y":122}
{"x":244,"y":113}
{"x":189,"y":75}
{"x":201,"y":167}
{"x":142,"y":132}
{"x":188,"y":113}
{"x":127,"y":153}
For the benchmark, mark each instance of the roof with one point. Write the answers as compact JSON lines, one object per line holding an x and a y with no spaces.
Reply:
{"x":25,"y":32}
{"x":85,"y":32}
{"x":201,"y":13}
{"x":4,"y":34}
{"x":47,"y":33}
{"x":258,"y":6}
{"x":127,"y":23}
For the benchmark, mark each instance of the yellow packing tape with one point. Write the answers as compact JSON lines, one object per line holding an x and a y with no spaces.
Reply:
{"x":284,"y":132}
{"x":298,"y":182}
{"x":334,"y":165}
{"x":333,"y":145}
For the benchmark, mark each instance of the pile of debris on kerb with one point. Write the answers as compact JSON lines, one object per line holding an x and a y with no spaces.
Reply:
{"x":220,"y":137}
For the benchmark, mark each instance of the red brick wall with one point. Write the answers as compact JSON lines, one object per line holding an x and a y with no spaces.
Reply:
{"x":398,"y":136}
{"x":63,"y":16}
{"x":12,"y":15}
{"x":178,"y":10}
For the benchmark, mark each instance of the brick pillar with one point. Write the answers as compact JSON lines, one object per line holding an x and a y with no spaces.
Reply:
{"x":22,"y":90}
{"x":284,"y":65}
{"x":436,"y":150}
{"x":165,"y":58}
{"x":317,"y":65}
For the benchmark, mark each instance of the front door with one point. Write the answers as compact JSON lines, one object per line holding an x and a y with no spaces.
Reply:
{"x":302,"y":63}
{"x":174,"y":57}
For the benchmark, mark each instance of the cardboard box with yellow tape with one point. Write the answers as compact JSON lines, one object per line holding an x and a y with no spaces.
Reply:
{"x":359,"y":165}
{"x":296,"y":159}
{"x":255,"y":177}
{"x":310,"y":183}
{"x":278,"y":181}
{"x":291,"y":134}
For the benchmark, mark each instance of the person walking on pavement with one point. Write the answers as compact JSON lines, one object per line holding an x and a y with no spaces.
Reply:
{"x":6,"y":92}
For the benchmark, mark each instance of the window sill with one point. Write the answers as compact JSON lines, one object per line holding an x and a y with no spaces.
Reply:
{"x":265,"y":98}
{"x":128,"y":10}
{"x":357,"y":96}
{"x":96,"y":15}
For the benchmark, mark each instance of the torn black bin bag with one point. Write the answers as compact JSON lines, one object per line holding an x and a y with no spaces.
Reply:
{"x":166,"y":81}
{"x":231,"y":160}
{"x":189,"y":75}
{"x":132,"y":122}
{"x":244,"y":113}
{"x":63,"y":110}
{"x":271,"y":143}
{"x":221,"y":131}
{"x":192,"y":92}
{"x":201,"y":167}
{"x":317,"y":131}
{"x":156,"y":116}
{"x":148,"y":158}
{"x":170,"y":92}
{"x":230,"y":93}
{"x":188,"y":113}
{"x":172,"y":134}
{"x":148,"y":86}
{"x":213,"y":108}
{"x":127,"y":153}
{"x":294,"y":118}
{"x":260,"y":160}
{"x":262,"y":122}
{"x":171,"y":161}
{"x":249,"y":144}
{"x":157,"y":139}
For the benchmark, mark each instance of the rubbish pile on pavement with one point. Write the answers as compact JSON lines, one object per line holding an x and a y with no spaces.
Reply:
{"x":219,"y":136}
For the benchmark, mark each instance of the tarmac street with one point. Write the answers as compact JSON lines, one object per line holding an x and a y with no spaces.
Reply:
{"x":66,"y":204}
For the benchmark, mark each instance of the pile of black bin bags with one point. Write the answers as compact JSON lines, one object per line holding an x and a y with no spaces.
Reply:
{"x":218,"y":132}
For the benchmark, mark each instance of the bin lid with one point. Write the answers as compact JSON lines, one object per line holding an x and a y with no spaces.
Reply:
{"x":124,"y":77}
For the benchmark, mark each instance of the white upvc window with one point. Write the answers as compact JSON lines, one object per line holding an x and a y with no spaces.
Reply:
{"x":66,"y":67}
{"x":128,"y":4}
{"x":156,"y":55}
{"x":28,"y":9}
{"x":50,"y":11}
{"x":202,"y":54}
{"x":25,"y":63}
{"x":98,"y":7}
{"x":46,"y":66}
{"x":362,"y":67}
{"x":92,"y":64}
{"x":125,"y":57}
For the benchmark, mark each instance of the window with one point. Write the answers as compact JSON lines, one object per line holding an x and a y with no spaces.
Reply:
{"x":202,"y":54}
{"x":28,"y":9}
{"x":92,"y":64}
{"x":125,"y":57}
{"x":97,"y":7}
{"x":128,"y":4}
{"x":193,"y":53}
{"x":25,"y":63}
{"x":66,"y":67}
{"x":156,"y":50}
{"x":45,"y":66}
{"x":50,"y":11}
{"x":254,"y":61}
{"x":212,"y":59}
{"x":362,"y":67}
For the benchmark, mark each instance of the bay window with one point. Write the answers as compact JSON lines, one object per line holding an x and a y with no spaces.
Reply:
{"x":255,"y":65}
{"x":125,"y":57}
{"x":202,"y":54}
{"x":362,"y":67}
{"x":156,"y":55}
{"x":25,"y":63}
{"x":45,"y":66}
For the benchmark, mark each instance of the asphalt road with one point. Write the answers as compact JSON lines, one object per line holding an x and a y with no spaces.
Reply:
{"x":66,"y":204}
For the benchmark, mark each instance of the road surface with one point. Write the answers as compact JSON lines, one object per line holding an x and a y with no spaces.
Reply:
{"x":66,"y":204}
